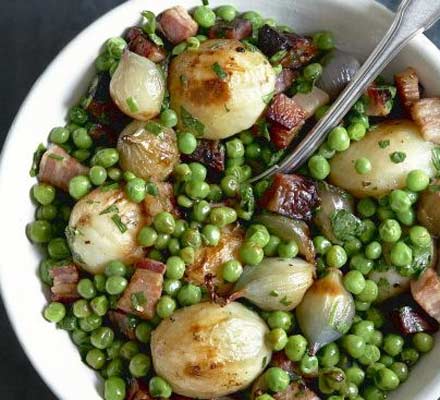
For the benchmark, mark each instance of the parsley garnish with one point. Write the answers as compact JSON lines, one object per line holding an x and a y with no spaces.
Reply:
{"x":112,"y":209}
{"x":278,"y":56}
{"x":274,"y":293}
{"x":121,"y":226}
{"x":252,"y":48}
{"x":151,"y":188}
{"x":138,"y":301}
{"x":264,"y":362}
{"x":345,"y":225}
{"x":383,"y":144}
{"x":191,"y":123}
{"x":36,"y":160}
{"x":132,"y":104}
{"x":154,"y":127}
{"x":247,"y":202}
{"x":397,"y":157}
{"x":285,"y":301}
{"x":55,"y":157}
{"x":150,"y":22}
{"x":435,"y":157}
{"x":268,"y":97}
{"x":219,"y":71}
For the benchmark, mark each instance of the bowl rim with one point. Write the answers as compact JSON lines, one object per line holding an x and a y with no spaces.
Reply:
{"x":421,"y":42}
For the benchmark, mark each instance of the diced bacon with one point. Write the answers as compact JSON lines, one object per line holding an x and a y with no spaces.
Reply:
{"x":271,"y":41}
{"x":407,"y":83}
{"x":409,"y":321}
{"x":426,"y":292}
{"x":140,"y":44}
{"x":301,"y":53}
{"x":151,"y":265}
{"x":297,"y":390}
{"x":124,"y":323}
{"x":285,"y":80}
{"x":310,"y":102}
{"x":142,"y":294}
{"x":292,"y":196}
{"x":163,"y":201}
{"x":65,"y":280}
{"x":58,"y":168}
{"x":103,"y":135}
{"x":282,"y":137}
{"x":210,"y":153}
{"x":426,"y":114}
{"x":177,"y":25}
{"x":238,"y":29}
{"x":138,"y":390}
{"x":380,"y":100}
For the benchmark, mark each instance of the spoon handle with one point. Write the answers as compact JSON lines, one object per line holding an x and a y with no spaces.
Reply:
{"x":412,"y":17}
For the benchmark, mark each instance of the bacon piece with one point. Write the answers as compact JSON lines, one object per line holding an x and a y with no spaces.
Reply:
{"x":163,"y":201}
{"x":103,"y":135}
{"x":302,"y":51}
{"x":124,"y":323}
{"x":408,"y":321}
{"x":285,"y":80}
{"x":139,"y":43}
{"x":65,"y":280}
{"x":297,"y":390}
{"x":271,"y":41}
{"x":426,"y":292}
{"x":57,"y":168}
{"x":151,"y":265}
{"x":210,"y":153}
{"x":407,"y":83}
{"x":177,"y":25}
{"x":380,"y":100}
{"x":292,"y":196}
{"x":138,"y":390}
{"x":426,"y":114}
{"x":238,"y":29}
{"x":143,"y":291}
{"x":310,"y":102}
{"x":282,"y":137}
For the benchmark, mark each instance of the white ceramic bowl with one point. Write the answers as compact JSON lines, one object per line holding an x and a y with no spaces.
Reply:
{"x":358,"y":26}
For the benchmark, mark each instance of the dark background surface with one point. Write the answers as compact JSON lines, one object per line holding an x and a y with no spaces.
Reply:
{"x":32,"y":33}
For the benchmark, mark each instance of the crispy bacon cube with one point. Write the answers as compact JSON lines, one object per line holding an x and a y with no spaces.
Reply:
{"x":271,"y":41}
{"x":380,"y":100}
{"x":57,"y":168}
{"x":426,"y":114}
{"x":138,"y":390}
{"x":139,"y":43}
{"x":302,"y":51}
{"x":210,"y":153}
{"x":426,"y":292}
{"x":144,"y":290}
{"x":177,"y":25}
{"x":65,"y":280}
{"x":291,"y":195}
{"x":408,"y":90}
{"x":238,"y":29}
{"x":408,"y":321}
{"x":124,"y":323}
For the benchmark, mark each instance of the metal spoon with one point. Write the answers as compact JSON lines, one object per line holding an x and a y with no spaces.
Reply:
{"x":412,"y":18}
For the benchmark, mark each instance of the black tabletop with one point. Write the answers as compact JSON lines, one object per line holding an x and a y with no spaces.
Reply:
{"x":32,"y":33}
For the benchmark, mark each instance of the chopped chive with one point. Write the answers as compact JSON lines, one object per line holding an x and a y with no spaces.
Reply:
{"x":121,"y":226}
{"x":278,"y":56}
{"x":383,"y":143}
{"x":436,"y":159}
{"x":132,"y":104}
{"x":285,"y":302}
{"x":154,"y":127}
{"x":219,"y":71}
{"x":151,"y":188}
{"x":191,"y":123}
{"x":112,"y":209}
{"x":157,"y":40}
{"x":397,"y":157}
{"x":138,"y":301}
{"x":55,"y":157}
{"x":36,"y":160}
{"x":274,"y":293}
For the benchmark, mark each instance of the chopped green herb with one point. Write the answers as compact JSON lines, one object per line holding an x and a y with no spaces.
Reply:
{"x":219,"y":71}
{"x":263,"y":129}
{"x":205,"y":2}
{"x":268,"y":97}
{"x":397,"y":157}
{"x":383,"y":144}
{"x":157,"y":40}
{"x":112,"y":209}
{"x":151,"y":188}
{"x":183,"y":80}
{"x":138,"y":301}
{"x":154,"y":127}
{"x":150,"y":22}
{"x":383,"y":283}
{"x":274,"y":293}
{"x":191,"y":123}
{"x":55,"y":157}
{"x":132,"y":104}
{"x":285,"y":301}
{"x":278,"y":56}
{"x":249,"y":46}
{"x":36,"y":160}
{"x":345,"y":225}
{"x":422,"y":257}
{"x":109,"y":186}
{"x":121,"y":226}
{"x":264,"y":362}
{"x":226,"y":108}
{"x":247,"y":202}
{"x":435,"y":157}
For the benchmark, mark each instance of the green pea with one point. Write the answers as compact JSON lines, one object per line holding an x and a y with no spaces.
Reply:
{"x":373,"y":393}
{"x":356,"y":131}
{"x":277,"y":339}
{"x":114,"y":388}
{"x":47,"y":213}
{"x":129,"y":349}
{"x":189,"y":294}
{"x":324,"y":41}
{"x":79,"y":186}
{"x":143,"y":332}
{"x":165,"y":307}
{"x":401,"y":254}
{"x":168,"y":118}
{"x":336,"y":257}
{"x":288,"y":249}
{"x":78,"y":116}
{"x":338,"y":139}
{"x":362,"y":166}
{"x":271,"y":248}
{"x":198,"y":171}
{"x":251,"y":253}
{"x":58,"y":249}
{"x":319,"y":167}
{"x":409,"y":356}
{"x":204,"y":16}
{"x":191,"y":238}
{"x":162,"y":241}
{"x":234,"y":148}
{"x":386,"y":360}
{"x":95,"y":358}
{"x":106,"y":157}
{"x":115,"y":285}
{"x":370,"y":356}
{"x":164,"y":223}
{"x":231,"y":271}
{"x":43,"y":193}
{"x":255,"y":18}
{"x":226,"y":12}
{"x":114,"y":368}
{"x":82,"y":139}
{"x":280,"y":319}
{"x":100,"y":305}
{"x":172,"y":286}
{"x":135,"y":190}
{"x":355,"y":375}
{"x":420,"y":236}
{"x":363,"y":329}
{"x":352,"y":246}
{"x":423,"y":342}
{"x":139,"y":365}
{"x":222,"y":216}
{"x":368,"y":231}
{"x":114,"y":174}
{"x":175,"y":268}
{"x":215,"y":193}
{"x":373,"y":251}
{"x":80,"y":337}
{"x":385,"y":213}
{"x":393,"y":344}
{"x":147,"y":236}
{"x":97,"y":175}
{"x":86,"y":289}
{"x":59,"y":135}
{"x":276,"y":379}
{"x":370,"y":292}
{"x":115,"y":47}
{"x":399,"y":201}
{"x":201,"y":211}
{"x":211,"y":234}
{"x":309,"y":364}
{"x":354,"y":282}
{"x":55,"y":312}
{"x":90,"y":323}
{"x":386,"y":379}
{"x":253,"y":151}
{"x":417,"y":180}
{"x":401,"y":370}
{"x":180,"y":227}
{"x":407,"y":217}
{"x":81,"y":309}
{"x":258,"y":234}
{"x":354,"y":345}
{"x":115,"y":268}
{"x":329,"y":355}
{"x":102,"y":337}
{"x":230,"y":185}
{"x":296,"y":347}
{"x":361,"y":263}
{"x":158,"y":387}
{"x":312,"y":71}
{"x":197,"y":189}
{"x":187,"y":254}
{"x":376,"y":338}
{"x":186,"y":141}
{"x":390,"y":231}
